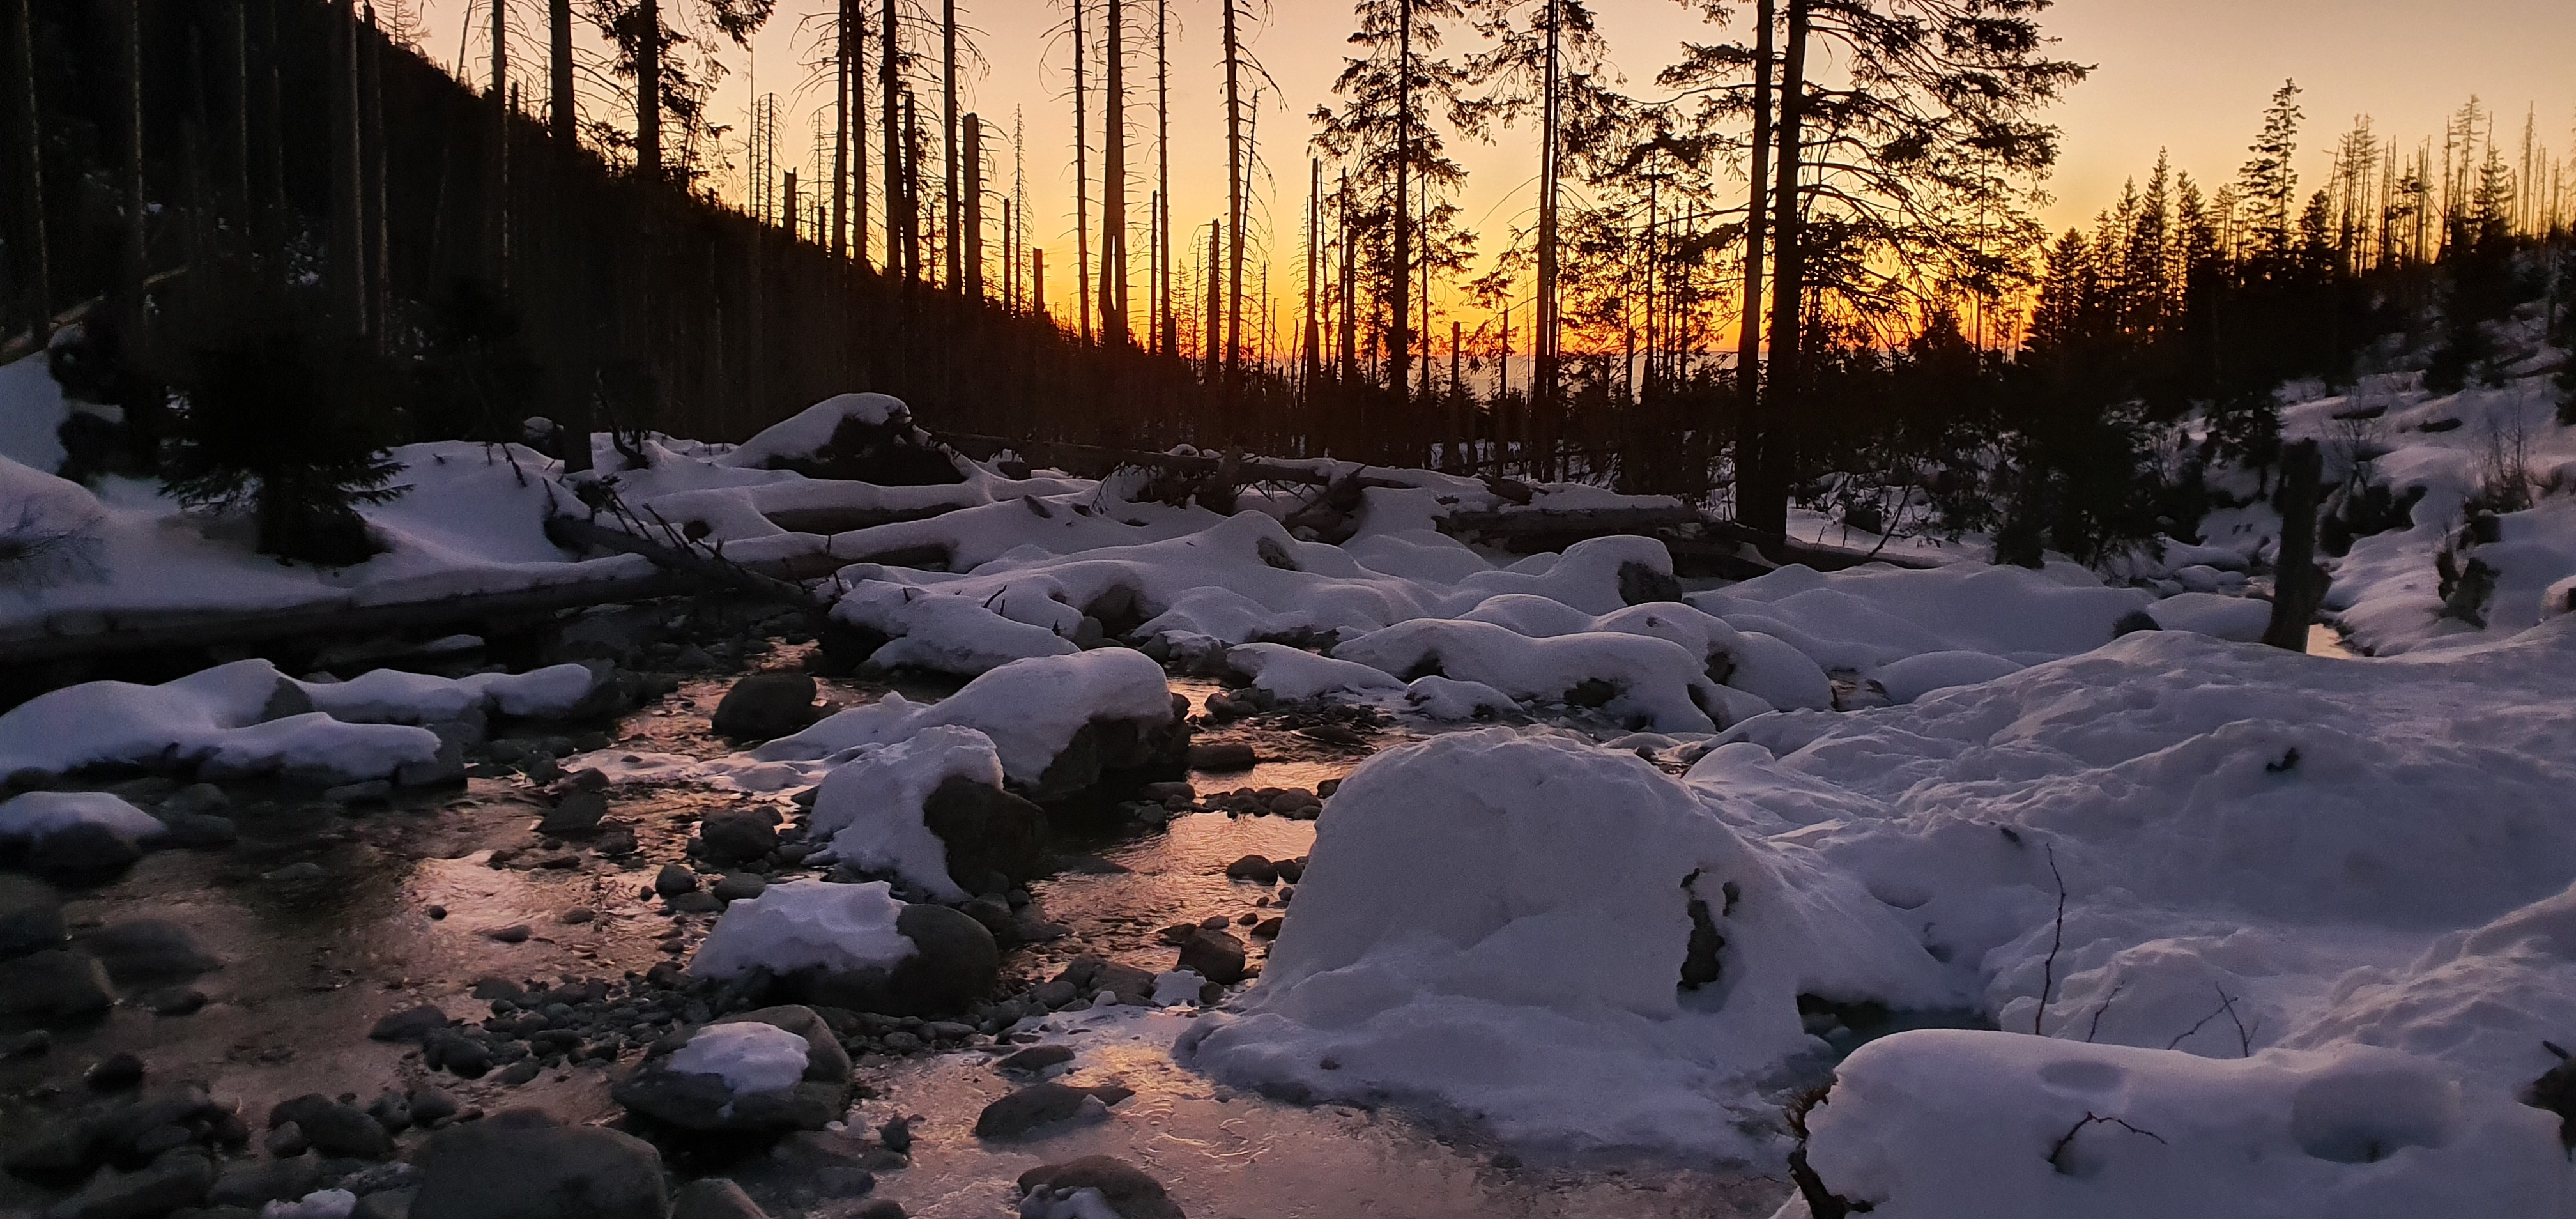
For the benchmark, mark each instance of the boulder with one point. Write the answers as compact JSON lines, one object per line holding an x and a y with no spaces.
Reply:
{"x":1222,"y":757}
{"x":956,"y":964}
{"x":714,"y":1198}
{"x":31,"y":916}
{"x":178,"y":1178}
{"x":989,"y":832}
{"x":1214,"y":955}
{"x":82,"y":853}
{"x":1125,"y":1187}
{"x":764,"y":706}
{"x":708,"y":1104}
{"x":254,"y":1183}
{"x":577,"y":815}
{"x":520,"y":1165}
{"x":409,"y":1024}
{"x":1130,"y":749}
{"x":334,"y":1128}
{"x":1039,"y":1104}
{"x":739,"y":835}
{"x":53,"y":988}
{"x":148,"y":950}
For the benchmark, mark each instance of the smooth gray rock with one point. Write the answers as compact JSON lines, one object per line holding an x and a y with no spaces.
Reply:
{"x":31,"y":916}
{"x":520,"y":1165}
{"x":714,"y":1198}
{"x":55,"y":988}
{"x":1127,"y":1189}
{"x":148,"y":950}
{"x":763,"y":706}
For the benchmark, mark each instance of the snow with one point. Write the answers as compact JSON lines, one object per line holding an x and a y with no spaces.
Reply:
{"x":870,"y":804}
{"x":320,"y":1204}
{"x":32,"y":410}
{"x":1870,"y":616}
{"x":1496,"y":921}
{"x":749,"y":1056}
{"x":393,"y":696}
{"x":2222,"y":617}
{"x":1905,"y":680}
{"x":1297,"y":675}
{"x":1944,"y":1124}
{"x":1177,"y":986}
{"x":799,"y":924}
{"x":1030,"y":710}
{"x":35,"y":816}
{"x":211,"y":720}
{"x":801,"y":435}
{"x":1651,"y":682}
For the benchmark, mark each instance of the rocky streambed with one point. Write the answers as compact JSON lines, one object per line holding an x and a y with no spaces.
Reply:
{"x":468,"y":1000}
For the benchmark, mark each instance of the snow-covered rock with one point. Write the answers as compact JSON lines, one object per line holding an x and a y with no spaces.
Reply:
{"x":1943,"y":1124}
{"x":877,"y":809}
{"x":766,"y":1071}
{"x":853,"y":946}
{"x":1558,"y":938}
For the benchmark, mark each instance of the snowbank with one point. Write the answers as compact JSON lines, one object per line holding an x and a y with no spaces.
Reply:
{"x":801,"y":436}
{"x":804,"y":923}
{"x":1502,"y":922}
{"x":870,"y":806}
{"x":1874,"y":615}
{"x":1941,"y":1124}
{"x":1649,"y":682}
{"x":35,"y":816}
{"x":1029,"y":709}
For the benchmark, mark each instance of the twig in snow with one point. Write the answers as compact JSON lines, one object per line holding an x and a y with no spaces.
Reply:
{"x":2066,"y":1141}
{"x":2226,"y":1007}
{"x":2057,"y":940}
{"x":2095,"y":1027}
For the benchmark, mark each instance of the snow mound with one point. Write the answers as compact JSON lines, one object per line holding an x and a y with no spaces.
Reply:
{"x":1296,"y":675}
{"x":211,"y":720}
{"x":1030,"y":709}
{"x":870,"y":805}
{"x":1871,"y":616}
{"x":1646,"y":681}
{"x":806,"y":923}
{"x":35,"y":816}
{"x":801,"y":436}
{"x":1501,"y":922}
{"x":393,"y":696}
{"x":749,"y":1056}
{"x":1450,"y":700}
{"x":943,"y":634}
{"x":2241,"y":619}
{"x":1942,"y":1124}
{"x":32,"y":411}
{"x":1915,"y":676}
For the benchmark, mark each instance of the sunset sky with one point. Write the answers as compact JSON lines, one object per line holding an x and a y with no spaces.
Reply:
{"x":2188,"y":75}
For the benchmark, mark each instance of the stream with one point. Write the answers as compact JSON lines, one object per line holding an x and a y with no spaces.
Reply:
{"x":400,"y":899}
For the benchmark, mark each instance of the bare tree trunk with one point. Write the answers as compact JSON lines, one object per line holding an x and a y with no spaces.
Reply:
{"x":969,"y":239}
{"x":347,"y":270}
{"x":1751,"y":462}
{"x":948,"y":130}
{"x":378,"y":226}
{"x":561,"y":100}
{"x":1215,"y":336}
{"x":1399,"y":346}
{"x":1312,"y":368}
{"x":237,"y":196}
{"x":132,"y":258}
{"x":889,"y":89}
{"x":1113,"y":182}
{"x":2300,"y":586}
{"x":1764,"y":505}
{"x":1234,"y":170}
{"x":1037,"y":281}
{"x":1081,"y":188}
{"x":840,"y":129}
{"x":1350,"y":280}
{"x":648,"y":92}
{"x":33,"y":271}
{"x":496,"y":214}
{"x":913,"y":254}
{"x":852,"y":17}
{"x":1540,"y":434}
{"x":1166,"y":327}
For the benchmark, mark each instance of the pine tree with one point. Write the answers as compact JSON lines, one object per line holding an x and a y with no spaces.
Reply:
{"x":2268,"y":183}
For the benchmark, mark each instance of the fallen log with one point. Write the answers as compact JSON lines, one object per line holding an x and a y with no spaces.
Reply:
{"x":1551,"y":522}
{"x":824,"y":522}
{"x":1089,"y":456}
{"x":572,"y":532}
{"x":90,"y":633}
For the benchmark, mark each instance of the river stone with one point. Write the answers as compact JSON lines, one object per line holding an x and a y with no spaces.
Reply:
{"x":738,"y":886}
{"x":1255,"y":868}
{"x":1222,"y":758}
{"x":577,"y":815}
{"x":1037,"y":1058}
{"x":739,"y":835}
{"x":674,"y":879}
{"x":1125,"y":1187}
{"x":703,"y":1103}
{"x":1129,"y":748}
{"x":85,"y":852}
{"x":53,"y":988}
{"x":385,"y":1204}
{"x":333,"y":1128}
{"x":988,"y":832}
{"x":1039,"y":1104}
{"x":198,"y":831}
{"x":714,"y":1198}
{"x":176,"y":1179}
{"x":520,"y":1165}
{"x":1214,"y":955}
{"x":252,"y":1183}
{"x":957,"y":964}
{"x":31,"y":916}
{"x":142,"y":950}
{"x":767,"y":705}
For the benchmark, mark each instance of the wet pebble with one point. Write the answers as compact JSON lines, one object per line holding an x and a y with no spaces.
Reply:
{"x":115,"y":1073}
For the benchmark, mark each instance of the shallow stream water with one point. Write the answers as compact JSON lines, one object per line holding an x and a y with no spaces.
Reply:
{"x":407,"y":894}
